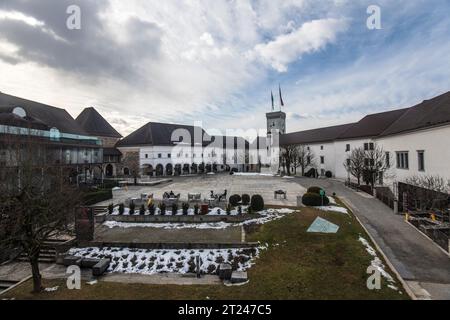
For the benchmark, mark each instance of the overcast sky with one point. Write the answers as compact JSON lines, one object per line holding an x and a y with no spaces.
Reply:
{"x":217,"y":61}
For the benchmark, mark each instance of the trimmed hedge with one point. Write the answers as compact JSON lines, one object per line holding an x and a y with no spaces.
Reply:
{"x":234,"y":200}
{"x":314,"y":190}
{"x":92,"y":198}
{"x":257,"y":203}
{"x":314,"y":200}
{"x":245,"y":199}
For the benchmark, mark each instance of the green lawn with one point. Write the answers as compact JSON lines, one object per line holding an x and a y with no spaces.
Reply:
{"x":297,"y":265}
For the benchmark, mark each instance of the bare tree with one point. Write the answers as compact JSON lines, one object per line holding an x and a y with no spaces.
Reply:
{"x":376,"y":163}
{"x":303,"y":158}
{"x":131,"y":161}
{"x":36,"y":200}
{"x":355,"y":164}
{"x":288,"y":156}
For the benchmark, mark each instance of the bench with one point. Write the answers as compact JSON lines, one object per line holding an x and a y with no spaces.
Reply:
{"x":280,"y":193}
{"x":101,"y":267}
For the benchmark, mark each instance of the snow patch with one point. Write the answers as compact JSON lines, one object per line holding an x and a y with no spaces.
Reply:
{"x":378,"y":264}
{"x":333,"y":209}
{"x":143,"y":261}
{"x":265,"y":216}
{"x":51,"y":289}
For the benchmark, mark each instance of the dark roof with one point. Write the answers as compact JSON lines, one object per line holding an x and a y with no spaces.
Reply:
{"x":49,"y":116}
{"x":315,"y":135}
{"x":13,"y":120}
{"x":93,"y":123}
{"x":160,"y":134}
{"x":157,"y":134}
{"x":372,"y":125}
{"x":111,"y":152}
{"x":429,"y":113}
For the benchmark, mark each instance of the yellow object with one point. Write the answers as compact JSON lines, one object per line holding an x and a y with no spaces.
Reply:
{"x":149,"y":202}
{"x":407,"y":217}
{"x":433,"y":217}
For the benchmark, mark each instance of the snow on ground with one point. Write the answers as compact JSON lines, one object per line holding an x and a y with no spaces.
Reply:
{"x":143,"y":261}
{"x":288,"y":177}
{"x":251,"y":174}
{"x":378,"y":264}
{"x":51,"y":289}
{"x":264,"y":217}
{"x":333,"y":209}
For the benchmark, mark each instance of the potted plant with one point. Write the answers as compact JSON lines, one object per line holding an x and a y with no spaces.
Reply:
{"x":174,"y":209}
{"x":132,"y":208}
{"x":185,"y":208}
{"x":110,"y":209}
{"x":162,"y":208}
{"x":142,"y":210}
{"x":121,"y":209}
{"x":196,"y":209}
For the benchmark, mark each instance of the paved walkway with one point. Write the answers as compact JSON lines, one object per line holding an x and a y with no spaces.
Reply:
{"x":250,"y":184}
{"x":419,"y":262}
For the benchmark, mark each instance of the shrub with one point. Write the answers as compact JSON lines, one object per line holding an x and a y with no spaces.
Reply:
{"x":111,"y":208}
{"x":314,"y":200}
{"x":196,"y":208}
{"x":249,"y":210}
{"x":245,"y":199}
{"x":185,"y":208}
{"x":174,"y":209}
{"x":257,"y":203}
{"x":142,"y":210}
{"x":151,"y":209}
{"x":132,"y":208}
{"x":315,"y":190}
{"x":162,"y":207}
{"x":329,"y":174}
{"x":121,"y":209}
{"x":234,"y":200}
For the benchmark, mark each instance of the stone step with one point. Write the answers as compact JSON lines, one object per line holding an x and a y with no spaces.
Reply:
{"x":5,"y":284}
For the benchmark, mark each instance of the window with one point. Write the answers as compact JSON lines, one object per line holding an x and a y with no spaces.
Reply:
{"x":347,"y":148}
{"x":369,"y":162}
{"x":348,"y":162}
{"x":146,"y":156}
{"x":403,"y":160}
{"x":388,"y":160}
{"x":307,"y":148}
{"x":159,"y":155}
{"x":371,"y":146}
{"x":169,"y":155}
{"x":308,"y":160}
{"x":421,"y":160}
{"x":322,"y":159}
{"x":321,"y":147}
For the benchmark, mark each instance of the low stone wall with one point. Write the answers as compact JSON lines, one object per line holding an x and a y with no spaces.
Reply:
{"x":175,"y":219}
{"x":167,"y":246}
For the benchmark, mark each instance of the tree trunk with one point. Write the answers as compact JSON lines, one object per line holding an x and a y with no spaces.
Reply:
{"x":37,"y":279}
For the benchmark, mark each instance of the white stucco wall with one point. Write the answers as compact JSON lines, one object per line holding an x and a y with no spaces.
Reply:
{"x":434,"y":142}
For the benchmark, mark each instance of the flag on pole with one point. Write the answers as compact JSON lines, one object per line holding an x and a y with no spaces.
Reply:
{"x":273,"y":102}
{"x":281,"y":97}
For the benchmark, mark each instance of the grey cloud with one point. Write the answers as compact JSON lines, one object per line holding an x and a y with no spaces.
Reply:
{"x":90,"y":51}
